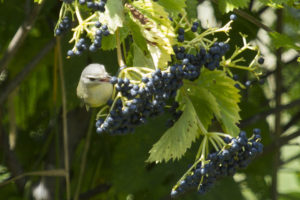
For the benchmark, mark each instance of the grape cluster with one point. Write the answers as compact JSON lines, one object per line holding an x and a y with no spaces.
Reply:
{"x":148,"y":98}
{"x":238,"y":153}
{"x":82,"y":45}
{"x":144,"y":100}
{"x":94,"y":5}
{"x":63,"y":26}
{"x":210,"y":59}
{"x":101,"y":31}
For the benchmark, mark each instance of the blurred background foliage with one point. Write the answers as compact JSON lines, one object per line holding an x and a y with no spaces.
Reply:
{"x":31,"y":133}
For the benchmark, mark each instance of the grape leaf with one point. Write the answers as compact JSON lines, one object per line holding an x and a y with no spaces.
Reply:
{"x":283,"y":40}
{"x":113,"y":16}
{"x":226,"y":6}
{"x":227,"y":98}
{"x":109,"y":42}
{"x":141,"y":59}
{"x":156,"y":28}
{"x":173,"y":7}
{"x":137,"y":36}
{"x":176,"y":140}
{"x":279,"y":3}
{"x":191,"y":9}
{"x":204,"y":103}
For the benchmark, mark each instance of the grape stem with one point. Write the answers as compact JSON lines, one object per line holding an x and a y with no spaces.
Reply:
{"x":119,"y":52}
{"x":78,"y":13}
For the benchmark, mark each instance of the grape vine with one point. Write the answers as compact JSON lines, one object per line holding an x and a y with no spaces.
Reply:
{"x":172,"y":64}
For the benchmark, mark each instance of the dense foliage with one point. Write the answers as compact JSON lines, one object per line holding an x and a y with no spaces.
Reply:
{"x":185,"y":90}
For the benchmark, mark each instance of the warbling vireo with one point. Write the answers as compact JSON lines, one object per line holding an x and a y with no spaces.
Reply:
{"x":94,"y":86}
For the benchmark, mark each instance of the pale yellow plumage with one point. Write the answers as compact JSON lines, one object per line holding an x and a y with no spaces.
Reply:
{"x":94,"y":87}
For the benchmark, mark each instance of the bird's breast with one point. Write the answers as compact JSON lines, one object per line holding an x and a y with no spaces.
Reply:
{"x":98,"y":95}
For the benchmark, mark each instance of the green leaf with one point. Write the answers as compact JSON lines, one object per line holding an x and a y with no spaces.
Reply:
{"x":137,"y":36}
{"x":279,"y":3}
{"x":38,"y":1}
{"x":173,"y":7}
{"x":156,"y":28}
{"x":113,"y":16}
{"x":110,"y":42}
{"x":227,"y":98}
{"x":191,"y":9}
{"x":283,"y":40}
{"x":176,"y":140}
{"x":226,"y":6}
{"x":141,"y":59}
{"x":205,"y":104}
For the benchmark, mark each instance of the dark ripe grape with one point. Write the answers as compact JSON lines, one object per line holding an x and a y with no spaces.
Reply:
{"x":90,"y":4}
{"x":196,"y":24}
{"x":99,"y":32}
{"x":70,"y":53}
{"x":194,"y":28}
{"x":248,"y":83}
{"x":81,"y":2}
{"x":181,"y":31}
{"x":235,"y":77}
{"x":93,"y":48}
{"x":261,"y":60}
{"x":98,"y":24}
{"x":256,"y":131}
{"x":233,"y":17}
{"x":104,"y":27}
{"x":180,"y":38}
{"x":237,"y":86}
{"x":185,"y":61}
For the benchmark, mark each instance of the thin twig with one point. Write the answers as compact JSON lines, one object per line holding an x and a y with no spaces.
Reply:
{"x":95,"y":191}
{"x":249,"y":18}
{"x":252,"y":19}
{"x":84,"y":155}
{"x":64,"y":116}
{"x":281,"y":141}
{"x":25,"y":71}
{"x":278,"y":94}
{"x":264,"y":114}
{"x":20,"y":36}
{"x":54,"y":172}
{"x":262,"y":10}
{"x":10,"y":158}
{"x":290,"y":159}
{"x":292,"y":122}
{"x":119,"y":52}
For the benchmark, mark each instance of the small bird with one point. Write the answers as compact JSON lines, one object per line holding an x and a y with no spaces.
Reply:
{"x":94,"y":86}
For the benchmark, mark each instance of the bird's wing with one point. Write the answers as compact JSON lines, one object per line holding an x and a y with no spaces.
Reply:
{"x":81,"y":91}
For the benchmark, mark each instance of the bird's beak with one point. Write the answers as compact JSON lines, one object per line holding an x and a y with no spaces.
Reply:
{"x":106,"y":79}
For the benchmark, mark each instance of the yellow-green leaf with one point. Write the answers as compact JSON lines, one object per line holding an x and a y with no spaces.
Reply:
{"x":227,"y":98}
{"x":176,"y":140}
{"x":156,"y":28}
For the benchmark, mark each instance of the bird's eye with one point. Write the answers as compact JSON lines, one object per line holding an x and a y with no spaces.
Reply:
{"x":92,"y":79}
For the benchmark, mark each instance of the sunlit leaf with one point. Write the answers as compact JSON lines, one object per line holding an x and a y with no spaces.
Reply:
{"x":227,"y":97}
{"x":172,"y":6}
{"x":226,"y":6}
{"x":156,"y":28}
{"x":113,"y":16}
{"x":176,"y":140}
{"x":283,"y":40}
{"x":141,"y":59}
